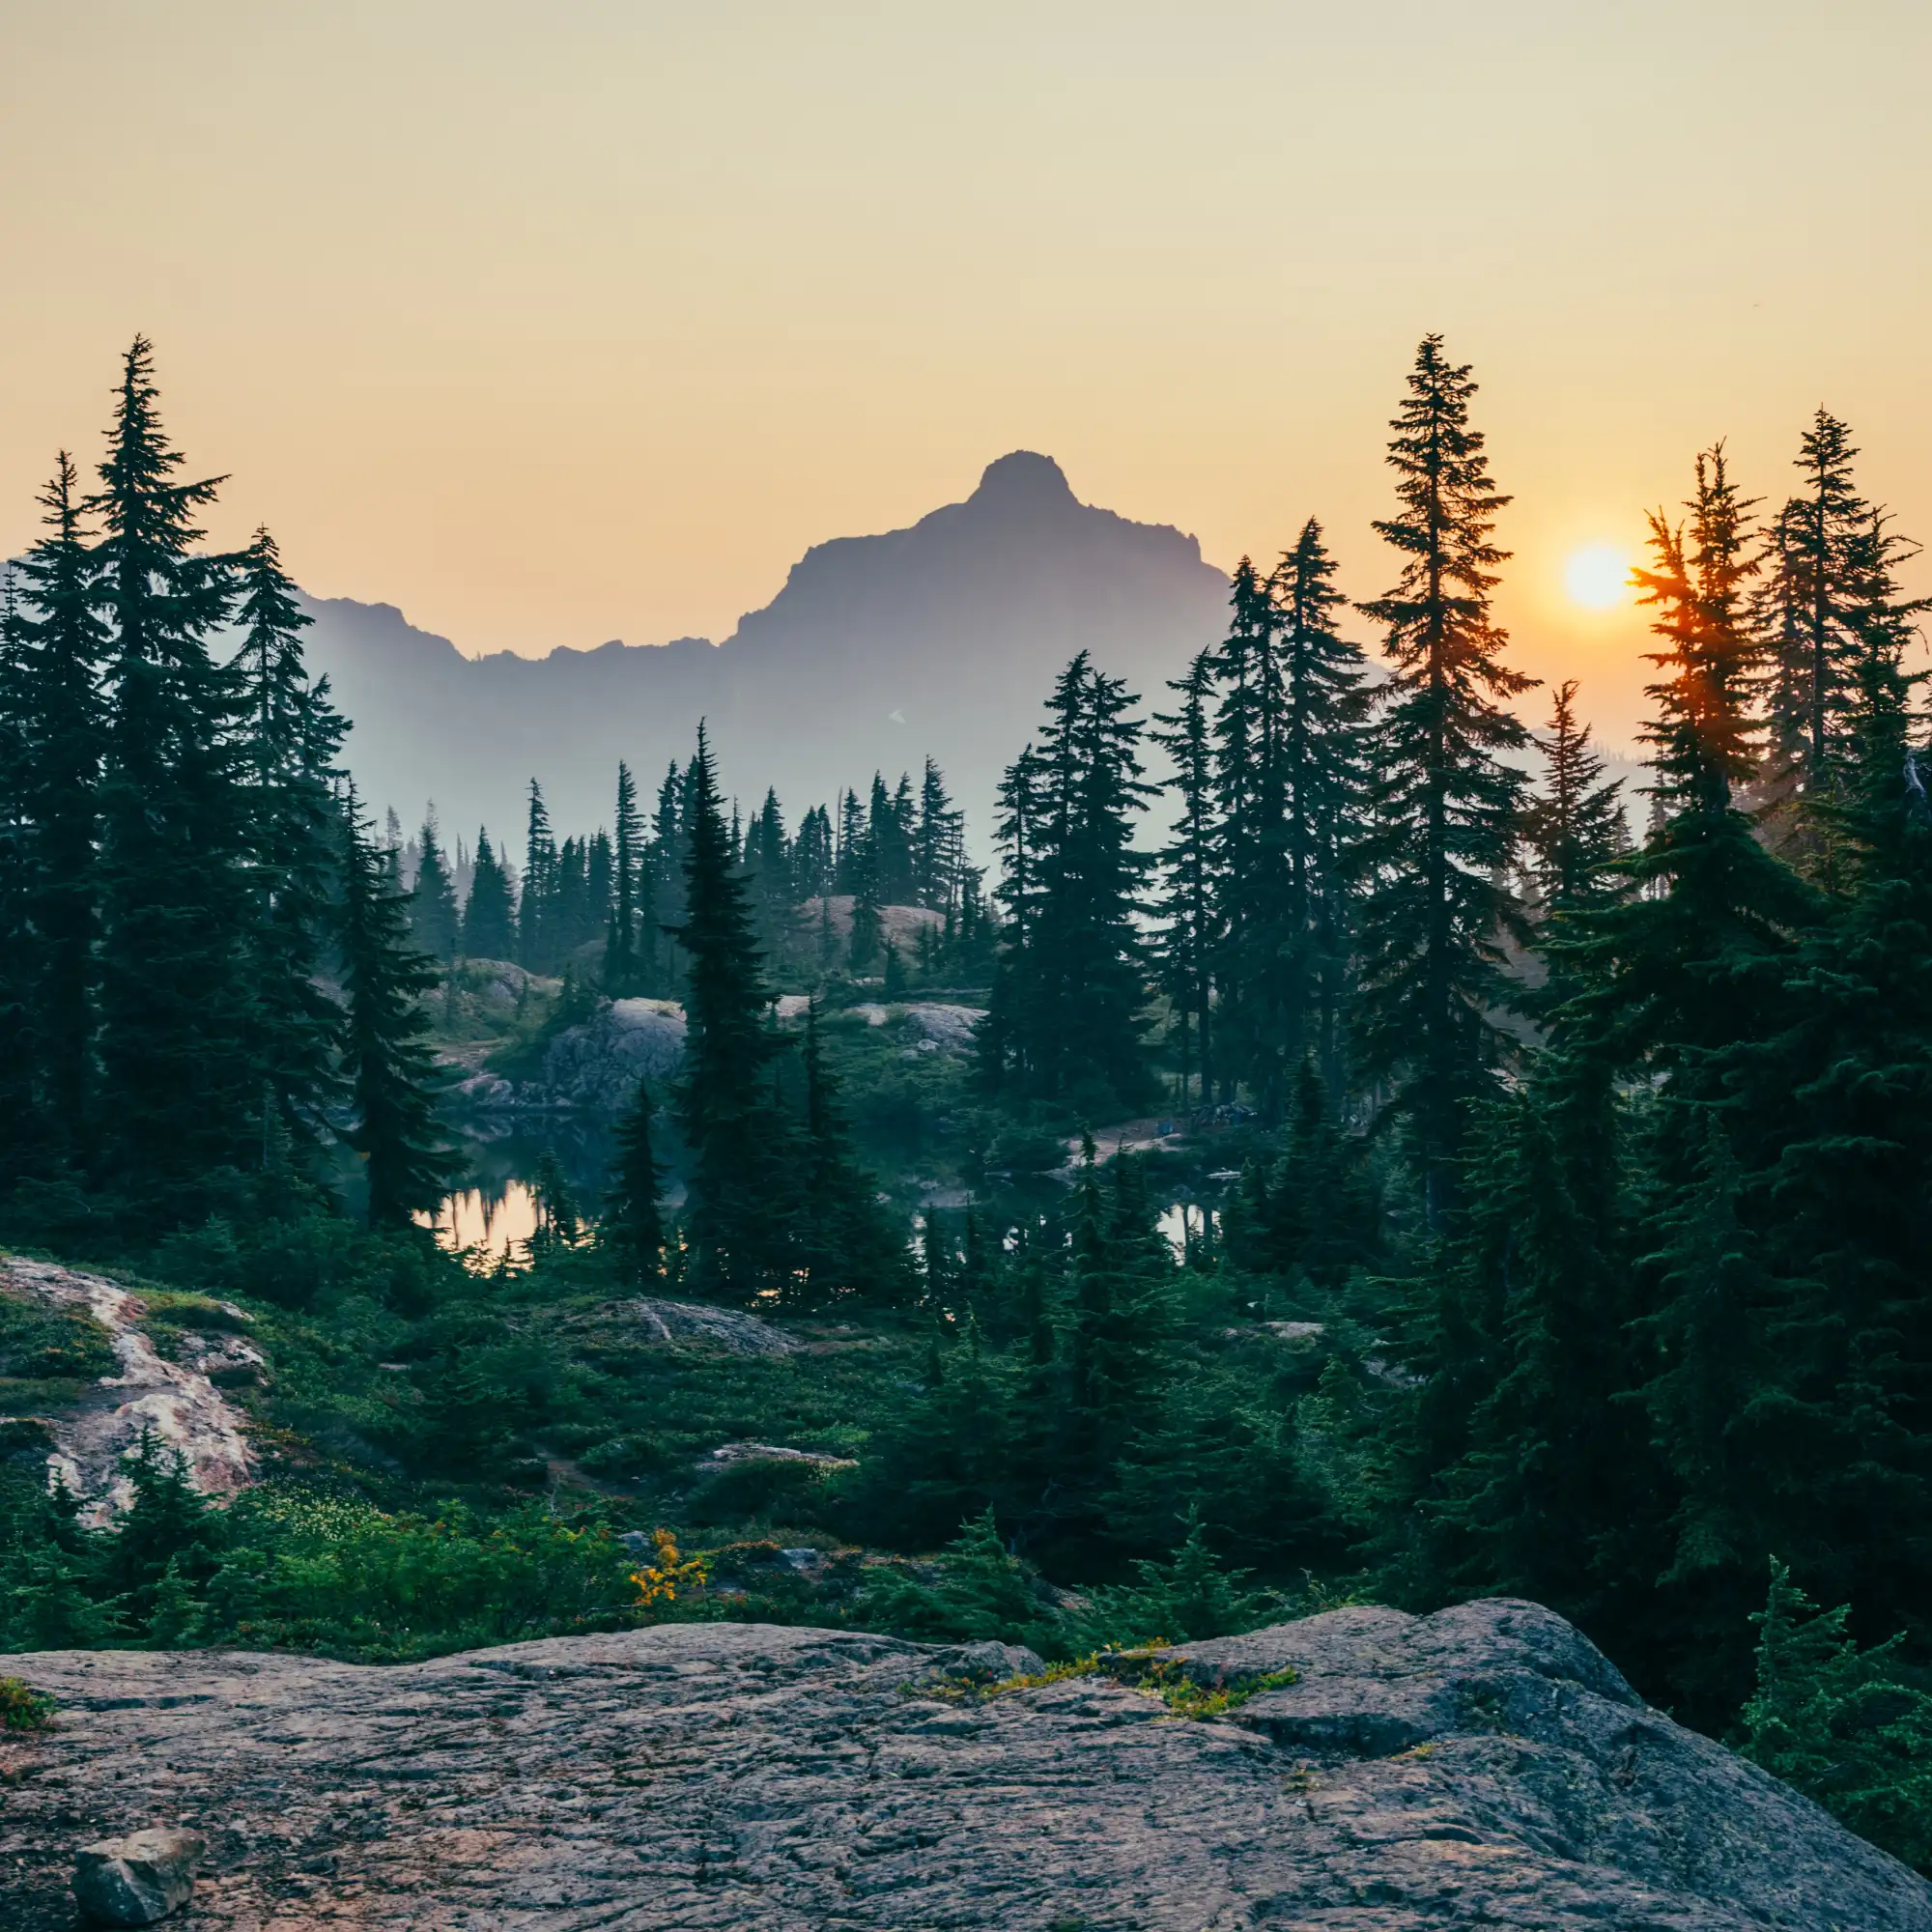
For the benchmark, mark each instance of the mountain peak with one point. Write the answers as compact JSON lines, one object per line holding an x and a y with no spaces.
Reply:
{"x":1024,"y":477}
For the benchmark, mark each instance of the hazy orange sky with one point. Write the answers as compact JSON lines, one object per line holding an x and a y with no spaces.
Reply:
{"x":564,"y":322}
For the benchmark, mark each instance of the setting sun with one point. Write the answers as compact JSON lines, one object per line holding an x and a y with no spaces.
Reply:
{"x":1597,"y":576}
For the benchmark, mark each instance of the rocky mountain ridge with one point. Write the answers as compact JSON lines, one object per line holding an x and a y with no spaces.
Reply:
{"x":1361,"y":1771}
{"x":938,"y":638}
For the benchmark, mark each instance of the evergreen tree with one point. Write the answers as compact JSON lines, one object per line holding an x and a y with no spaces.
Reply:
{"x":667,"y":853}
{"x":1842,"y":1725}
{"x":737,"y":1135}
{"x":768,"y":869}
{"x":938,"y":847}
{"x":1264,"y":960}
{"x":1810,"y":601}
{"x":167,"y":1531}
{"x":57,"y":651}
{"x":178,"y":1078}
{"x":947,"y":1457}
{"x":489,"y":918}
{"x":621,"y":970}
{"x":600,"y":870}
{"x":293,"y":736}
{"x":1235,"y":722}
{"x":557,"y":1220}
{"x":1064,"y":1021}
{"x":1313,"y":1213}
{"x":867,"y":904}
{"x":891,"y":829}
{"x":392,"y":1071}
{"x":537,"y":949}
{"x":1667,"y":967}
{"x":567,"y":909}
{"x":1323,"y":755}
{"x":854,"y":842}
{"x":1187,"y":1600}
{"x":1662,"y":986}
{"x":811,"y":864}
{"x":1189,"y":906}
{"x":1432,"y":912}
{"x":1574,"y":828}
{"x":633,"y":1220}
{"x":435,"y":924}
{"x":1831,"y":1106}
{"x":1530,"y":1472}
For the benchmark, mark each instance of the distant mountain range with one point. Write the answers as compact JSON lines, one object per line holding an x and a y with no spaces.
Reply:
{"x":940,"y":638}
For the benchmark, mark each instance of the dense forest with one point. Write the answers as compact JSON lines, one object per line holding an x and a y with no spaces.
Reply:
{"x":1557,"y":1191}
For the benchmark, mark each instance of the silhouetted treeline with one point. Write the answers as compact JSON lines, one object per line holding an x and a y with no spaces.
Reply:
{"x":609,"y":905}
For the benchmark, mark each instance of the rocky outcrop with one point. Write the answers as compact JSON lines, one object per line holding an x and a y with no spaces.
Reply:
{"x":728,"y":1454}
{"x":899,"y":925}
{"x":927,"y":1026}
{"x":596,"y":1068}
{"x":1483,"y":1766}
{"x":593,"y":1068}
{"x":696,"y":1324}
{"x":181,"y":1400}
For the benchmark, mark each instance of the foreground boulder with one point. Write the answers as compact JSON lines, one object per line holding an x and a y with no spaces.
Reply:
{"x":1482,"y":1767}
{"x":137,"y":1880}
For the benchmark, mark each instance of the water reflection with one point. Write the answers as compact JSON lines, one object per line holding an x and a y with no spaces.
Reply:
{"x":497,"y":1213}
{"x":1187,"y":1224}
{"x":491,"y":1220}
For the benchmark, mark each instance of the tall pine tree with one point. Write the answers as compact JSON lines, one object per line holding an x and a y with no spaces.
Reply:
{"x":179,"y":1087}
{"x":488,"y":916}
{"x":1322,"y":756}
{"x":1065,"y":1017}
{"x":292,"y":737}
{"x":633,"y":1217}
{"x":1433,"y":913}
{"x":622,"y":967}
{"x":537,"y":949}
{"x":738,"y":1136}
{"x":1189,"y":907}
{"x":434,"y":923}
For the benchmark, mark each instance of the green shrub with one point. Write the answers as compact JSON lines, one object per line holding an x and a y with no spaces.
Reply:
{"x":22,"y":1707}
{"x":1185,"y":1600}
{"x":317,"y":1571}
{"x":624,"y":1455}
{"x":762,"y":1489}
{"x":1836,"y":1722}
{"x":39,"y":1344}
{"x":982,"y":1591}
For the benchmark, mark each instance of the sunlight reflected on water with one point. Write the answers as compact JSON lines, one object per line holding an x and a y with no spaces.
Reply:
{"x":488,"y":1222}
{"x":1186,"y":1221}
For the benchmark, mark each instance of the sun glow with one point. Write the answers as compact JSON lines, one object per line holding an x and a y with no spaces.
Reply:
{"x":1597,"y":576}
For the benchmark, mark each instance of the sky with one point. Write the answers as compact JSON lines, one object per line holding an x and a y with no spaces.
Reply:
{"x":556,"y":323}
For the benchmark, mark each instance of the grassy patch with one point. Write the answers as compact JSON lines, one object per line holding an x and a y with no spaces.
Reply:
{"x":1168,"y":1678}
{"x":1162,"y":1677}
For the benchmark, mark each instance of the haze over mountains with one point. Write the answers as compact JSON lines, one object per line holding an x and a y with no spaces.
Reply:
{"x":940,"y":638}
